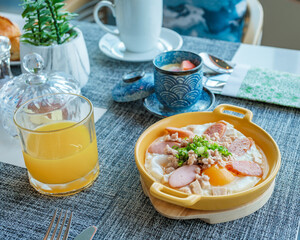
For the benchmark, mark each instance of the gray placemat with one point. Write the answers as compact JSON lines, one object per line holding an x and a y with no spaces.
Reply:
{"x":116,"y":201}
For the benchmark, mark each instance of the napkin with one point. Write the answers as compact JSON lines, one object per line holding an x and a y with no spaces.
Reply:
{"x":264,"y":85}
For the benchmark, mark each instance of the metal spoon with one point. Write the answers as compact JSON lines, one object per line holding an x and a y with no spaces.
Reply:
{"x":216,"y":64}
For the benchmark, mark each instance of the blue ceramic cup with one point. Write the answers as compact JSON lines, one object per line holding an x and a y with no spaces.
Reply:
{"x":178,"y":90}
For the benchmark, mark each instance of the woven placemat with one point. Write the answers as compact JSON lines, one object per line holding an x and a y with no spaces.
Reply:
{"x":116,"y":202}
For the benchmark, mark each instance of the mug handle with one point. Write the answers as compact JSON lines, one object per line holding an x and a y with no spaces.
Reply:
{"x":97,"y":9}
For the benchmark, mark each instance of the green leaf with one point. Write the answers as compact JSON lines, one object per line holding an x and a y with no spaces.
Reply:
{"x":70,"y":37}
{"x":40,"y":2}
{"x":29,"y":41}
{"x":27,"y":10}
{"x":45,"y":19}
{"x":31,"y":23}
{"x":67,"y":16}
{"x":58,"y":6}
{"x":45,"y":11}
{"x":62,"y":14}
{"x":27,"y":35}
{"x":63,"y":28}
{"x":73,"y":33}
{"x":46,"y":22}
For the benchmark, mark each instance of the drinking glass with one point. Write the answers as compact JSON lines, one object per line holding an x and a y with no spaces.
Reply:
{"x":58,"y":138}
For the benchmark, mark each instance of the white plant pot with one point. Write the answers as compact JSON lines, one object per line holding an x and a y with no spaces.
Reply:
{"x":70,"y":57}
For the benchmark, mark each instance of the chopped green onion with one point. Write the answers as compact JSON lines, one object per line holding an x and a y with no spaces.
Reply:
{"x":180,"y":162}
{"x":200,"y":146}
{"x":200,"y":150}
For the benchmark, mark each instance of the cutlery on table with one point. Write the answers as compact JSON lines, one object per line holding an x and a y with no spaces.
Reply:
{"x":216,"y":80}
{"x":61,"y":224}
{"x":216,"y":64}
{"x":87,"y":234}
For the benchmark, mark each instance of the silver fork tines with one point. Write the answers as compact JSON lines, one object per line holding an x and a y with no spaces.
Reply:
{"x":61,"y":226}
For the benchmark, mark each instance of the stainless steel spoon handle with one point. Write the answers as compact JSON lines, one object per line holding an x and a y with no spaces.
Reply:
{"x":216,"y":64}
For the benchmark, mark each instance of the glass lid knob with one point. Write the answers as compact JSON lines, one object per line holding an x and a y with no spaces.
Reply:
{"x":33,"y":63}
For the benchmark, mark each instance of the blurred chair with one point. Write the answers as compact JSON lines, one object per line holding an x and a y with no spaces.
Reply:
{"x":73,"y":5}
{"x":252,"y":32}
{"x":84,"y":9}
{"x":253,"y":23}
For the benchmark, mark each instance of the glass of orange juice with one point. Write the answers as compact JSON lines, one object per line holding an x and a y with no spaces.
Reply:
{"x":58,"y":138}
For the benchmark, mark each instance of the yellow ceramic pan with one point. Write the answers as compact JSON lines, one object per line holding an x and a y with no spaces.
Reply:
{"x":194,"y":201}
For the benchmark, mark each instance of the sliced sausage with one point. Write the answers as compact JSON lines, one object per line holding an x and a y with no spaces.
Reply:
{"x":240,"y":146}
{"x":183,"y":176}
{"x":159,"y":147}
{"x":181,"y":133}
{"x":218,"y":127}
{"x":245,"y":168}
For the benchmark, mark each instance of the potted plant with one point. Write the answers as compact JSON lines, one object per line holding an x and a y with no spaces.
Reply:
{"x":48,"y":32}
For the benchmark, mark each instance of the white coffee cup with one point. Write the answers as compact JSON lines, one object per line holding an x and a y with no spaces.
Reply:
{"x":138,"y":22}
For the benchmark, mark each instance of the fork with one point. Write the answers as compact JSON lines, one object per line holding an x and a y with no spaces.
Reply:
{"x":61,"y":226}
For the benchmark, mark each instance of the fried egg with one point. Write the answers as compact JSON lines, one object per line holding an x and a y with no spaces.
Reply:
{"x":219,"y":177}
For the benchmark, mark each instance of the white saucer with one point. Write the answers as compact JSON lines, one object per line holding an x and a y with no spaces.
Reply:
{"x":112,"y":47}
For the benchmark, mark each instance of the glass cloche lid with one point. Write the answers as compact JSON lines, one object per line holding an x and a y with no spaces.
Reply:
{"x":32,"y":84}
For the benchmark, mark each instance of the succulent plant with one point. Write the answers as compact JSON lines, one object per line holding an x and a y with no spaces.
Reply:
{"x":46,"y":22}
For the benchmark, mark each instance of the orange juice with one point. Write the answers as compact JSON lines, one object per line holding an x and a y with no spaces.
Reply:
{"x":60,"y":153}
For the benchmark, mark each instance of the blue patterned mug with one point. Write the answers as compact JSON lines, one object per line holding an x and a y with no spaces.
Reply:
{"x":178,"y":90}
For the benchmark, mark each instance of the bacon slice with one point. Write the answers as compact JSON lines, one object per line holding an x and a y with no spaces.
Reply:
{"x":183,"y":176}
{"x":159,"y":147}
{"x":181,"y":133}
{"x":218,"y":127}
{"x":245,"y":168}
{"x":240,"y":146}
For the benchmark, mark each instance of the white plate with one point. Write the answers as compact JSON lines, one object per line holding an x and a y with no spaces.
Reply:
{"x":112,"y":47}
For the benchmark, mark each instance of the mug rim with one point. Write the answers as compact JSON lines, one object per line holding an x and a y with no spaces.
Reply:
{"x":178,"y":73}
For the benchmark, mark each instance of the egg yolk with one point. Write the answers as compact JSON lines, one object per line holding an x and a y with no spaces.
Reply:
{"x":219,"y":176}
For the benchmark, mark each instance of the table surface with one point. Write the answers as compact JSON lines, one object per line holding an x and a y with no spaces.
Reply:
{"x":116,"y":202}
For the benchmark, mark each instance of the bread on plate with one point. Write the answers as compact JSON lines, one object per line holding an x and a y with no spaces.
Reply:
{"x":12,"y":31}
